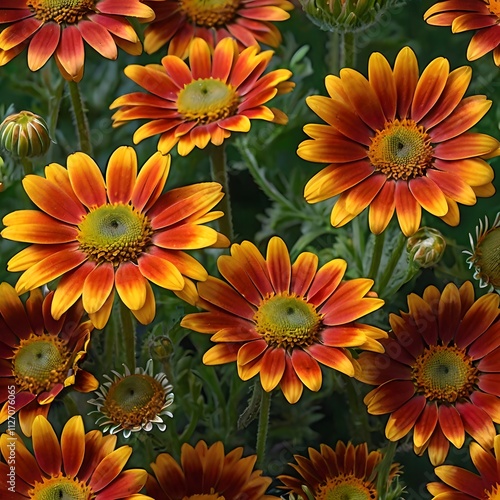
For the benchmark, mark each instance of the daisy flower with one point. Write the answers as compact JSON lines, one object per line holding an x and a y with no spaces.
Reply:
{"x":207,"y":472}
{"x":281,"y":320}
{"x":59,"y":28}
{"x":249,"y":22}
{"x":131,"y":402}
{"x":466,"y":15}
{"x":219,"y":93}
{"x":439,"y":375}
{"x":115,"y":233}
{"x":399,"y":142}
{"x":40,"y":355}
{"x":78,"y":465}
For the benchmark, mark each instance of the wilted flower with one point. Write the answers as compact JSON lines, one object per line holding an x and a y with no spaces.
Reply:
{"x":426,"y":247}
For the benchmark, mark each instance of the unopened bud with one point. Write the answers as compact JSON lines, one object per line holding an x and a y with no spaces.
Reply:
{"x":161,"y":348}
{"x":25,"y":135}
{"x":426,"y":247}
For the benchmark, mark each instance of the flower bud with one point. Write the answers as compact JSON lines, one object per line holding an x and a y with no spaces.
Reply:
{"x":25,"y":135}
{"x":426,"y":247}
{"x":161,"y":348}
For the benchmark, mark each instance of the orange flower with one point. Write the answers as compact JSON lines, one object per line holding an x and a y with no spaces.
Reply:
{"x":247,"y":21}
{"x":280,"y":320}
{"x":120,"y":233}
{"x":207,"y":472}
{"x":220,"y":94}
{"x":79,"y":465}
{"x":59,"y":28}
{"x":346,"y":472}
{"x":466,"y":15}
{"x":39,"y":355}
{"x":440,"y":373}
{"x":461,"y":484}
{"x":399,"y":142}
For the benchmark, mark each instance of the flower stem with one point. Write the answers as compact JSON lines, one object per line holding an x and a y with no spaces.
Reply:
{"x":265,"y":407}
{"x":384,"y":469}
{"x":391,"y":264}
{"x":128,"y":336}
{"x":27,"y":166}
{"x":219,"y":174}
{"x":80,"y":116}
{"x":347,"y":50}
{"x":377,"y":255}
{"x":333,"y":55}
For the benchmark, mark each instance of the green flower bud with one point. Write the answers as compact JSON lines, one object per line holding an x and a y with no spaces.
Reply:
{"x":25,"y":135}
{"x":346,"y":15}
{"x":426,"y":247}
{"x":160,"y":348}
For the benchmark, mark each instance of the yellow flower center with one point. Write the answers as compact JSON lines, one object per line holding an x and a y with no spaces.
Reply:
{"x":209,"y":13}
{"x":494,"y":494}
{"x":287,"y":321}
{"x":134,"y":400}
{"x":114,"y":233}
{"x":345,"y":487}
{"x":494,"y":7}
{"x":61,"y":11}
{"x":487,"y":257}
{"x":401,"y":150}
{"x":444,"y":373}
{"x":61,"y":488}
{"x":40,"y":362}
{"x":207,"y":100}
{"x":209,"y":496}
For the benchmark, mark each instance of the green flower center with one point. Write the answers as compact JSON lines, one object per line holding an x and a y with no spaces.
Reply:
{"x":444,"y":373}
{"x":40,"y":362}
{"x":114,"y":233}
{"x":345,"y":487}
{"x":134,"y":400}
{"x":401,"y":150}
{"x":209,"y":13}
{"x":61,"y":11}
{"x":207,"y":100}
{"x":487,"y":257}
{"x":61,"y":488}
{"x":287,"y":321}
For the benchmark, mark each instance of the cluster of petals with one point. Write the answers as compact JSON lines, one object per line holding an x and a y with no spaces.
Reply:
{"x":239,"y":73}
{"x":55,"y":29}
{"x":67,"y":197}
{"x":17,"y":323}
{"x":425,"y":116}
{"x":252,"y":281}
{"x":443,"y":333}
{"x":249,"y":22}
{"x":466,"y":15}
{"x":78,"y":465}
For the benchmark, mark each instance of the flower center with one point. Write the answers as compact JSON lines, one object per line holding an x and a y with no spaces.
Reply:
{"x":401,"y":150}
{"x":40,"y":362}
{"x":134,"y":400}
{"x":114,"y":233}
{"x":207,"y":100}
{"x":61,"y":11}
{"x":287,"y":321}
{"x":487,"y":256}
{"x":212,"y":496}
{"x":61,"y":488}
{"x":494,"y":494}
{"x":345,"y":487}
{"x":209,"y":13}
{"x":444,"y":373}
{"x":494,"y":7}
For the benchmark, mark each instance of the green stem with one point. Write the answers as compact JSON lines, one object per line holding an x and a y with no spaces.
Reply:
{"x":347,"y":50}
{"x":128,"y":336}
{"x":80,"y":116}
{"x":333,"y":54}
{"x":391,"y":264}
{"x":384,"y":469}
{"x":219,"y":174}
{"x":377,"y":255}
{"x":27,"y":166}
{"x":359,"y":415}
{"x":265,"y":406}
{"x":358,"y":241}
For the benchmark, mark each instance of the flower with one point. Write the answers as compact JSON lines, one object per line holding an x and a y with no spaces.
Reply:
{"x":207,"y":472}
{"x":480,"y":15}
{"x":133,"y":402}
{"x":40,"y":355}
{"x":470,"y":485}
{"x":119,"y":233}
{"x":399,"y":142}
{"x":346,"y":472}
{"x":79,"y":465}
{"x":426,"y":247}
{"x":59,"y":28}
{"x":249,"y":22}
{"x":220,"y":94}
{"x":440,"y":372}
{"x":280,"y":320}
{"x":485,"y":254}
